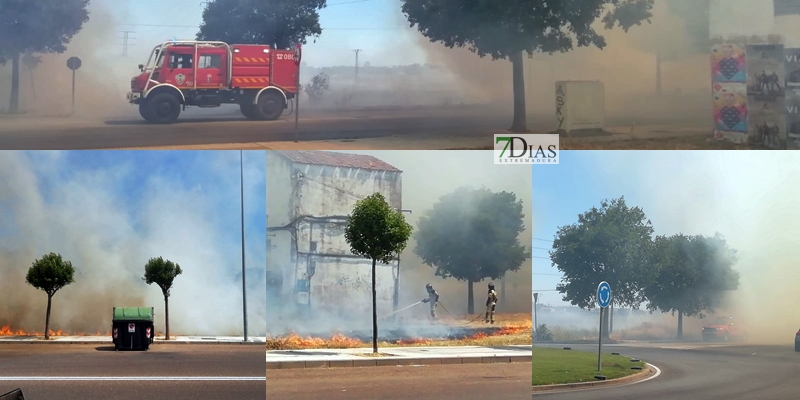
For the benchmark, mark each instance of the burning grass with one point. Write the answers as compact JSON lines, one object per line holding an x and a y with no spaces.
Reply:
{"x":512,"y":329}
{"x":7,"y":331}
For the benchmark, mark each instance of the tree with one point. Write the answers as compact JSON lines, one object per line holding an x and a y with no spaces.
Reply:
{"x":694,"y":272}
{"x":661,"y":41}
{"x":612,"y":244}
{"x":376,"y":231}
{"x":317,"y":87}
{"x":279,"y":23}
{"x":50,"y":274}
{"x":163,"y":273}
{"x":505,"y":29}
{"x":471,"y":235}
{"x":37,"y":26}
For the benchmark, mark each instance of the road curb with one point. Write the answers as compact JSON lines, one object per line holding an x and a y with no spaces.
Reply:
{"x":583,"y":385}
{"x":109,"y":343}
{"x":394,"y":362}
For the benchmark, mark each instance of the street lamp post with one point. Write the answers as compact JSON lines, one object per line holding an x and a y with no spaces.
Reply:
{"x":244,"y":285}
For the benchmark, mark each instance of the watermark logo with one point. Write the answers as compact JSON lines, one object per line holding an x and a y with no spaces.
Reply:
{"x":526,"y":149}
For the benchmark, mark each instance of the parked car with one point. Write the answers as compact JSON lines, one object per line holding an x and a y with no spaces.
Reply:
{"x":797,"y":341}
{"x":724,"y":330}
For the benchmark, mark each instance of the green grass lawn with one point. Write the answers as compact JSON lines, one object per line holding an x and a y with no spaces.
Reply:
{"x":554,"y":366}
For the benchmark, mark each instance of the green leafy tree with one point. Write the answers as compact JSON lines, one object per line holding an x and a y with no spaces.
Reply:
{"x":376,"y":231}
{"x":611,"y":243}
{"x":471,"y":235}
{"x":505,"y":29}
{"x":163,"y":273}
{"x":49,"y":274}
{"x":279,"y":23}
{"x":694,"y":273}
{"x":37,"y":26}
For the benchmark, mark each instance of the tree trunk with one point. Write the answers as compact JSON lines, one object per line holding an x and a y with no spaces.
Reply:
{"x":13,"y":104}
{"x":47,"y":319}
{"x":470,"y":299}
{"x":374,"y":312}
{"x":680,"y":325}
{"x":520,"y":123}
{"x":166,"y":314}
{"x":658,"y":73}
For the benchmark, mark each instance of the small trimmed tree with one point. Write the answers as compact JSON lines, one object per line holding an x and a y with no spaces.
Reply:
{"x":163,"y":273}
{"x":376,"y":231}
{"x":50,"y":274}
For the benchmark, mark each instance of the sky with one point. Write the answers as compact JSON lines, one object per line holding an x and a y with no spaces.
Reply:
{"x":108,"y":212}
{"x":377,"y":27}
{"x":748,"y":197}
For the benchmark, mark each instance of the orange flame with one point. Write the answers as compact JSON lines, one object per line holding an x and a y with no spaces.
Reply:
{"x":8,"y":331}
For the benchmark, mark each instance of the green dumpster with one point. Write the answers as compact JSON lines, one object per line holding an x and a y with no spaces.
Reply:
{"x":132,"y":328}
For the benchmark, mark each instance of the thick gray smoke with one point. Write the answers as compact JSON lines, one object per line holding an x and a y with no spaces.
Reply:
{"x":428,"y":175}
{"x":85,"y":217}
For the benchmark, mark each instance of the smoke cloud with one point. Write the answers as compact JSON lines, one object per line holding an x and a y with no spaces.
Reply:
{"x":108,"y":232}
{"x":747,"y":197}
{"x":101,"y":82}
{"x":428,"y":175}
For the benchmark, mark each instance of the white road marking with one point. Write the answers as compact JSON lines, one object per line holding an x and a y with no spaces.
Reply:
{"x":133,"y":378}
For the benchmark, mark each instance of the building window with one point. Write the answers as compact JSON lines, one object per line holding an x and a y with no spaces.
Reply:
{"x":313,"y":247}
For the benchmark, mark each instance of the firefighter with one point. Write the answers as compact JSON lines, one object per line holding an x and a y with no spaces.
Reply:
{"x":491,"y":302}
{"x":432,"y":298}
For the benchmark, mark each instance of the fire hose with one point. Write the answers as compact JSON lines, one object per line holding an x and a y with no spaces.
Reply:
{"x":454,"y":317}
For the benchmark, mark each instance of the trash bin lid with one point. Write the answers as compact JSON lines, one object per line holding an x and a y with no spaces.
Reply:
{"x":133,"y":313}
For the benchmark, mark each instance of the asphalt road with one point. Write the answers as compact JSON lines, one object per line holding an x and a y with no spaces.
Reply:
{"x":750,"y":372}
{"x":224,"y":129}
{"x":441,"y":382}
{"x":52,"y":371}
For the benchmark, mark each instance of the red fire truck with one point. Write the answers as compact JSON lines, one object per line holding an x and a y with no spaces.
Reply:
{"x":180,"y":74}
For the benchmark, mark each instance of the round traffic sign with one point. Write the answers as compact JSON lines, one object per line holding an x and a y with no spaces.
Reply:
{"x":603,"y":294}
{"x":74,"y":63}
{"x":298,"y":53}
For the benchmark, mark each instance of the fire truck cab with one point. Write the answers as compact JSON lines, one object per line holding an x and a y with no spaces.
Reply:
{"x":179,"y":74}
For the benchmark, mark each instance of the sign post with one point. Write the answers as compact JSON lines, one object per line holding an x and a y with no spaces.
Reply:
{"x":298,"y":53}
{"x":73,"y":63}
{"x":603,"y":300}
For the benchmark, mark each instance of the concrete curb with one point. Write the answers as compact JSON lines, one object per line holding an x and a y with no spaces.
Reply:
{"x":611,"y":382}
{"x":393,"y":362}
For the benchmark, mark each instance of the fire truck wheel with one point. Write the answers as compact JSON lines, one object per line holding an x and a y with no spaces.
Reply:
{"x":270,"y":106}
{"x":144,"y":111}
{"x":163,"y":108}
{"x":248,"y":110}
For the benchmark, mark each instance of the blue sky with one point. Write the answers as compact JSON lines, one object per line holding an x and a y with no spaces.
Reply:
{"x":749,"y":197}
{"x":375,"y":26}
{"x":110,"y":211}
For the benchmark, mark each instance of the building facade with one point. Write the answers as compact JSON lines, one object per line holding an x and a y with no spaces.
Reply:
{"x":309,"y":197}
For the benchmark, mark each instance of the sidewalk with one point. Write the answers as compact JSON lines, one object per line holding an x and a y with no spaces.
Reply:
{"x":107,"y":339}
{"x":394,"y":356}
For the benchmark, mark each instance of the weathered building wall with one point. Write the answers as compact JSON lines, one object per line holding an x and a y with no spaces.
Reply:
{"x":279,"y":252}
{"x":318,"y":267}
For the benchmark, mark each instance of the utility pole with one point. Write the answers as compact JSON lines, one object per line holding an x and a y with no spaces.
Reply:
{"x":244,"y":285}
{"x":125,"y":38}
{"x":357,"y":51}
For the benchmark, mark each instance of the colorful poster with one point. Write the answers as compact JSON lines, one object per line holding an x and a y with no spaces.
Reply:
{"x":766,"y":121}
{"x":792,"y":69}
{"x":730,"y":107}
{"x":728,"y":63}
{"x":765,"y":72}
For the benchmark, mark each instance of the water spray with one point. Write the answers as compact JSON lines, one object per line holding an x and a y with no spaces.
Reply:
{"x":402,"y":309}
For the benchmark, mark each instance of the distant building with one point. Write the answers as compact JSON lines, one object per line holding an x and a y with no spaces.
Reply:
{"x":309,"y":197}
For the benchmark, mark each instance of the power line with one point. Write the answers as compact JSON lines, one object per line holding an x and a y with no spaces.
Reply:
{"x":125,"y":44}
{"x":536,"y":273}
{"x":198,"y":26}
{"x":541,"y":248}
{"x":543,"y":240}
{"x":543,"y":258}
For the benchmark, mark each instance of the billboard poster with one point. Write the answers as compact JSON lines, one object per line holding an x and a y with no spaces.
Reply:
{"x":730,"y":107}
{"x":792,"y":69}
{"x":765,"y":72}
{"x":728,"y":63}
{"x":766,"y":121}
{"x":793,"y":120}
